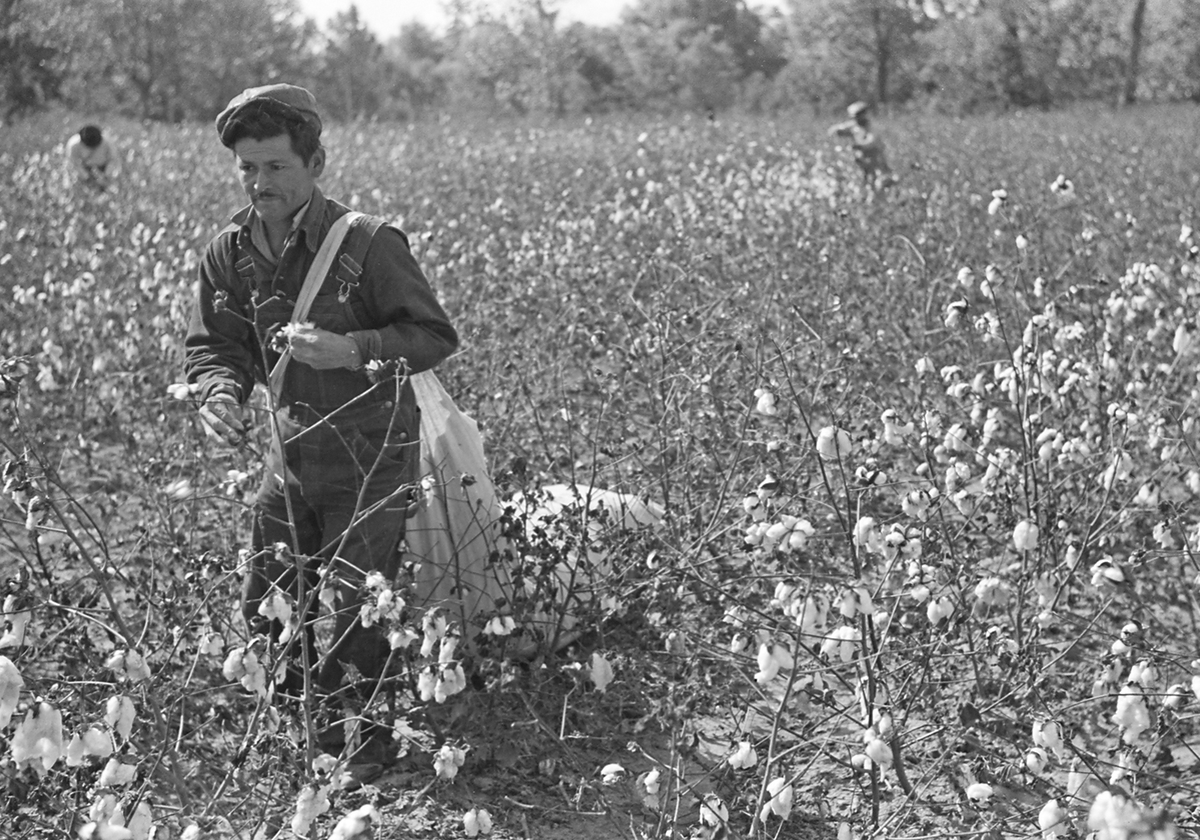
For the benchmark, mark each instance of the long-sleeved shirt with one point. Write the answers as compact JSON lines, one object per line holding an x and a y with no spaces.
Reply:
{"x":389,"y":310}
{"x":86,"y":161}
{"x":869,"y":153}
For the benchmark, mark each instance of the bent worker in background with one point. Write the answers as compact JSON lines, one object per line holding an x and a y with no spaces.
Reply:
{"x":92,"y":160}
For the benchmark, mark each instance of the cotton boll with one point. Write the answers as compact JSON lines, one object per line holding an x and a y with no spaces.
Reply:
{"x":879,"y":752}
{"x":765,"y":403}
{"x":768,"y":666}
{"x":980,"y":793}
{"x":610,"y":774}
{"x":939,"y":610}
{"x":833,"y":444}
{"x":117,"y":774}
{"x":477,"y":821}
{"x":1048,"y":734}
{"x":780,"y":803}
{"x":713,"y":811}
{"x":744,"y":756}
{"x":1176,"y":697}
{"x":357,"y":825}
{"x":1036,"y":760}
{"x":1025,"y":536}
{"x":1131,"y":715}
{"x":1052,"y":820}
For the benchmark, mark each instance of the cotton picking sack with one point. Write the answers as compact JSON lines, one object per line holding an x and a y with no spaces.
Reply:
{"x":454,"y":531}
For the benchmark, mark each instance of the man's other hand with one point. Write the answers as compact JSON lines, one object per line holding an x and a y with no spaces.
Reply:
{"x":322,"y":349}
{"x":222,"y":417}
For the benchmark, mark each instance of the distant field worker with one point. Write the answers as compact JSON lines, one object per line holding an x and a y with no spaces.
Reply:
{"x":869,"y":151}
{"x":91,"y":159}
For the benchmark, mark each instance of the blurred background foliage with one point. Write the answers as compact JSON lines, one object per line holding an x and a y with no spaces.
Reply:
{"x":179,"y":60}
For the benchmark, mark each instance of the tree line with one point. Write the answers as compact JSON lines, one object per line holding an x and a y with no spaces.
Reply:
{"x":179,"y":60}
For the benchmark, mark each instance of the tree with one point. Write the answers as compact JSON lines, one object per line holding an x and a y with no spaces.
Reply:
{"x":417,"y":54}
{"x":520,"y":62}
{"x":653,"y":56}
{"x":728,"y":23}
{"x":355,"y":73}
{"x":241,"y":43}
{"x":1170,"y":62}
{"x":866,"y":39}
{"x":488,"y":68}
{"x":603,"y":66}
{"x":1136,"y":24}
{"x":180,"y":59}
{"x":29,"y":72}
{"x":709,"y":73}
{"x":143,"y":41}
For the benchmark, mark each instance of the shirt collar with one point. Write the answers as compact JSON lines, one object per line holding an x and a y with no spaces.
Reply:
{"x":308,"y":219}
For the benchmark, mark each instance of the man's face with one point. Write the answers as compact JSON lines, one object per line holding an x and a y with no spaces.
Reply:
{"x":274,"y":177}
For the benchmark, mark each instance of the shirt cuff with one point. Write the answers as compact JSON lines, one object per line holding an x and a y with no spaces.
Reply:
{"x":370,"y":344}
{"x":220,"y":387}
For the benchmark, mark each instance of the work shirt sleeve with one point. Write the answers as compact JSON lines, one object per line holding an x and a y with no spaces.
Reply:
{"x":221,"y":346}
{"x":407,"y":320}
{"x":75,"y":153}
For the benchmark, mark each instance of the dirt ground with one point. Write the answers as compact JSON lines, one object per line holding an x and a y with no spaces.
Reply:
{"x":542,"y":781}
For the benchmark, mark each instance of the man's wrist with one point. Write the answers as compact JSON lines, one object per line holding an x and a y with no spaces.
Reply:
{"x":367,"y":344}
{"x":223,"y":393}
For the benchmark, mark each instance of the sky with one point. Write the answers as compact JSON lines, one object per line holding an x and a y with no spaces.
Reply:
{"x":385,"y":17}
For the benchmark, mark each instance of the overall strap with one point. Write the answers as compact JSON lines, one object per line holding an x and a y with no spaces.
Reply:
{"x":354,"y":252}
{"x":312,"y":284}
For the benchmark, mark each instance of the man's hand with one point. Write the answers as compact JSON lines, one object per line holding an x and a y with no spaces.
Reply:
{"x":322,"y":349}
{"x":222,"y":417}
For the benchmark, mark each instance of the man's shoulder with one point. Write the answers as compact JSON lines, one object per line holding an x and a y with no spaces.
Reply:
{"x":224,"y":242}
{"x":367,"y":229}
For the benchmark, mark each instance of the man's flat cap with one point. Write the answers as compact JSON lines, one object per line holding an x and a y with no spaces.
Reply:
{"x":296,"y":100}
